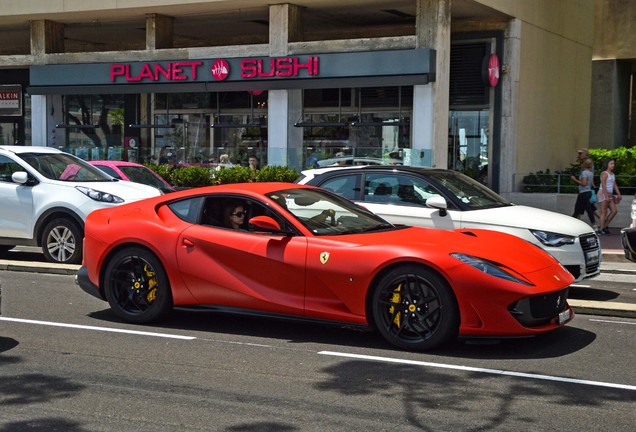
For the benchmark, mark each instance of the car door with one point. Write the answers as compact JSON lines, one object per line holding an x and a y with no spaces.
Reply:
{"x":16,"y":210}
{"x":399,"y":198}
{"x":242,"y":268}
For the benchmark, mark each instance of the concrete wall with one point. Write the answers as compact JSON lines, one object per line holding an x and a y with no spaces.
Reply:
{"x":564,"y":204}
{"x":550,"y":91}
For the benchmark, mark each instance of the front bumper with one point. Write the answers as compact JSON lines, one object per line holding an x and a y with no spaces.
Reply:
{"x":81,"y":279}
{"x":542,"y":310}
{"x":582,"y":259}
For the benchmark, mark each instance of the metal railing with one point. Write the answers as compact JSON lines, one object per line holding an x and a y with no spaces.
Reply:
{"x":562,"y":183}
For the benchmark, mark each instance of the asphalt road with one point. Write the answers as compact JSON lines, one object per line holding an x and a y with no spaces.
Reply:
{"x":67,"y":364}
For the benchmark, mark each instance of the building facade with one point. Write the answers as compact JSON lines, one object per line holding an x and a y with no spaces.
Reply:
{"x":491,"y":87}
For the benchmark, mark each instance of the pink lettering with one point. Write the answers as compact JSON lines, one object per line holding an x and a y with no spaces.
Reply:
{"x":115,"y":71}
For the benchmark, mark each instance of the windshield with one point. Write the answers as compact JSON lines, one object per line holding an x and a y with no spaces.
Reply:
{"x":64,"y":167}
{"x":324,"y":213}
{"x":469,"y":191}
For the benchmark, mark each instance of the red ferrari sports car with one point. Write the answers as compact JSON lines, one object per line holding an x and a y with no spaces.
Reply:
{"x":301,"y":251}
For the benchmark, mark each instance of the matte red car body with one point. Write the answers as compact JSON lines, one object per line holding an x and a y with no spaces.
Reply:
{"x":285,"y":274}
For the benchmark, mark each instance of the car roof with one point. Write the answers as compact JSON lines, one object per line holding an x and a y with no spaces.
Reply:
{"x":370,"y":168}
{"x":29,"y":149}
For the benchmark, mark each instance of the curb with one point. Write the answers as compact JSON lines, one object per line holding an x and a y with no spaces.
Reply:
{"x":36,"y":267}
{"x":613,"y":309}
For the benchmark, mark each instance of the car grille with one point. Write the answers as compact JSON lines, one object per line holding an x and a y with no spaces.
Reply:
{"x":590,"y":245}
{"x":539,"y":310}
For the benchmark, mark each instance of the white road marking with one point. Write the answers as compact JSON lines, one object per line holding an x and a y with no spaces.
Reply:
{"x":104,"y":329}
{"x":481,"y":370}
{"x":613,"y":322}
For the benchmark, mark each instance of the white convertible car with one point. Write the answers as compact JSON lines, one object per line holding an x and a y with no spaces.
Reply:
{"x":447,"y":199}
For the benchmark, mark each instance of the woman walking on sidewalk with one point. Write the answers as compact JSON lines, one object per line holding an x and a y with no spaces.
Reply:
{"x":606,"y":197}
{"x":585,"y":182}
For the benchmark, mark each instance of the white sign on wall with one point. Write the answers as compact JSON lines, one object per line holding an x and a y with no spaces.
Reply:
{"x":10,"y":100}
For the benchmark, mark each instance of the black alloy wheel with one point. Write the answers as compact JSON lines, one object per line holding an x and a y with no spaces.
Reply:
{"x":414,"y":308}
{"x":136,"y":286}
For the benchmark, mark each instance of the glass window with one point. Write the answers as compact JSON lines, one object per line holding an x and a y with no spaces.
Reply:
{"x":356,"y":126}
{"x":397,"y":189}
{"x":347,"y":186}
{"x":188,"y":210}
{"x":7,"y":168}
{"x":93,"y":125}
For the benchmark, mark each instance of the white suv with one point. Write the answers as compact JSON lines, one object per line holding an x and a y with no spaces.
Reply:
{"x":46,"y":194}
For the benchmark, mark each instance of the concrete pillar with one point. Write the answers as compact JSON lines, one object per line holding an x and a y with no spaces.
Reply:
{"x":422,"y":127}
{"x":510,"y":109}
{"x":285,"y":25}
{"x":433,"y":30}
{"x":159,"y":32}
{"x":39,"y":133}
{"x":609,"y":112}
{"x":284,"y":141}
{"x":46,"y":37}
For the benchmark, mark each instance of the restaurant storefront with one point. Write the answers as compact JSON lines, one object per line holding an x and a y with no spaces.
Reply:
{"x":291,"y":110}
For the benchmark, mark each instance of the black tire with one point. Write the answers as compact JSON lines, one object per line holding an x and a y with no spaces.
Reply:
{"x":137,"y":286}
{"x":5,"y":248}
{"x":62,"y":241}
{"x":414,"y":308}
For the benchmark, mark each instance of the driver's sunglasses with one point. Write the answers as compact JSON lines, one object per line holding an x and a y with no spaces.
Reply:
{"x":241,"y":213}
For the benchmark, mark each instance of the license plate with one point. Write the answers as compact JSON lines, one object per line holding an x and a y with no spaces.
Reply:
{"x":565,"y":316}
{"x":592,"y":257}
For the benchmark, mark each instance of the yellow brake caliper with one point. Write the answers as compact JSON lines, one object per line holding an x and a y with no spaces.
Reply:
{"x":152,"y":284}
{"x":396,"y":300}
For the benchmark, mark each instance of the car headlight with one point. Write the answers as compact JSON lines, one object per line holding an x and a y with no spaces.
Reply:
{"x":99,"y":196}
{"x":488,"y":268}
{"x":552,"y":239}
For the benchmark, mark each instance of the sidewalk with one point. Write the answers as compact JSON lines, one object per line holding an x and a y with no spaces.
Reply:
{"x":612,"y":247}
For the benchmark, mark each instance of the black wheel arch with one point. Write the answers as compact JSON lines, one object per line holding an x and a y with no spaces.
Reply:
{"x":54,"y":213}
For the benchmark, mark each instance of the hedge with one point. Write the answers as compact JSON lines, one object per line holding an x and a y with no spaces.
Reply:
{"x":197,"y":176}
{"x":559,"y":181}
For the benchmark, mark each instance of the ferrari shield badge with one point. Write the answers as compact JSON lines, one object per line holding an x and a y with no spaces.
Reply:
{"x":324,"y":257}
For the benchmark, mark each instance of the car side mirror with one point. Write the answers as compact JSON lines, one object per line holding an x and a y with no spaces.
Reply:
{"x":266,"y":224}
{"x":20,"y":177}
{"x":438,"y":202}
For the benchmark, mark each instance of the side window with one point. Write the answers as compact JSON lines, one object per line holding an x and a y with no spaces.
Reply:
{"x":381,"y":188}
{"x":397,"y":189}
{"x":234,"y":212}
{"x":7,"y":168}
{"x":187,"y":209}
{"x":346,"y":186}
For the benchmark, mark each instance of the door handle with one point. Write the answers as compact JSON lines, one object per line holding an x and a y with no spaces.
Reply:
{"x":188,"y":243}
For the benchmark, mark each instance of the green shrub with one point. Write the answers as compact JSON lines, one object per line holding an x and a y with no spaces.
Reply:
{"x":276,"y":174}
{"x":192,"y":176}
{"x":234,"y":174}
{"x":162,"y":169}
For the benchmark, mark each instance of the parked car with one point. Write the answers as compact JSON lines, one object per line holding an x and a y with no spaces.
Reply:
{"x":351,"y":160}
{"x":305,"y":252}
{"x":448,"y":199}
{"x":628,"y":236}
{"x":46,"y":195}
{"x":134,"y":172}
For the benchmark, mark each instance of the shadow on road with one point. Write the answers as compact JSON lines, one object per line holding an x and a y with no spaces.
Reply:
{"x":558,"y":343}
